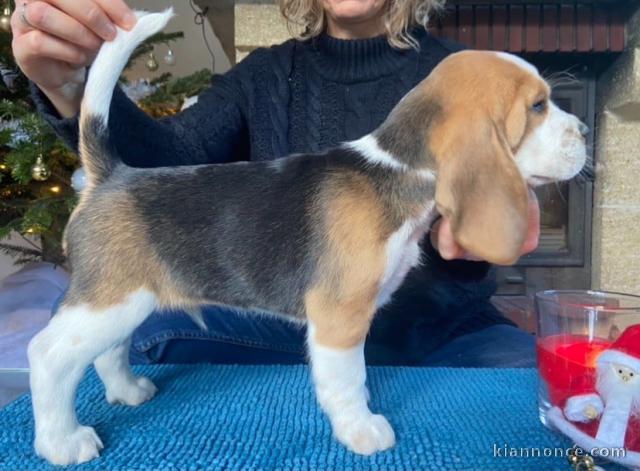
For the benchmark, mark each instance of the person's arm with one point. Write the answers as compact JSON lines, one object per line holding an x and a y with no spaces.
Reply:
{"x":55,"y":40}
{"x":211,"y":131}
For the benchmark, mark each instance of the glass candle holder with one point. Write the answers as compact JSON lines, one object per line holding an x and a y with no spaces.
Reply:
{"x":588,"y":346}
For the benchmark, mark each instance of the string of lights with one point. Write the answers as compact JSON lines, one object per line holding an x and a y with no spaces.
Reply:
{"x":200,"y":20}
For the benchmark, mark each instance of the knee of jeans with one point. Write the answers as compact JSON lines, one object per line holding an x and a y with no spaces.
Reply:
{"x":57,"y":303}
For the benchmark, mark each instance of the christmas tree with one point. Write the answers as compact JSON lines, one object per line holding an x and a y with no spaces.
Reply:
{"x":36,"y":169}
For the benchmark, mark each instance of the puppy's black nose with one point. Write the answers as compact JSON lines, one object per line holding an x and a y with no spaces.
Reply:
{"x":583,"y":128}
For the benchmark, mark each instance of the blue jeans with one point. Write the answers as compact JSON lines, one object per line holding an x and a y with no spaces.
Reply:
{"x":171,"y":337}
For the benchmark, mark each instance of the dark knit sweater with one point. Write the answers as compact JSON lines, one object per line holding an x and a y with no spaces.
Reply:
{"x":305,"y":97}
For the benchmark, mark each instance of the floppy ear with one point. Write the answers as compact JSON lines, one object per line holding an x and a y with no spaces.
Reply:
{"x":516,"y":122}
{"x":480,"y":189}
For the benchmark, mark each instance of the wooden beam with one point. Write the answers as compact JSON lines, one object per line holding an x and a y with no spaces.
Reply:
{"x":523,"y":2}
{"x":220,"y":14}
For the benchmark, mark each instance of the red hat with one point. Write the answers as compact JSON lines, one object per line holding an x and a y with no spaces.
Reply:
{"x":624,"y":351}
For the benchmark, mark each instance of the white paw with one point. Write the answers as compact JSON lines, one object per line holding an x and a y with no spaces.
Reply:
{"x":365,"y":435}
{"x":83,"y":444}
{"x":133,"y":393}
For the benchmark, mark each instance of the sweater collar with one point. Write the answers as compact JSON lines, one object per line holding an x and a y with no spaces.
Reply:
{"x":353,"y":60}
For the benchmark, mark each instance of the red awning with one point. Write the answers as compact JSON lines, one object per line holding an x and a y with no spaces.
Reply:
{"x":534,"y":28}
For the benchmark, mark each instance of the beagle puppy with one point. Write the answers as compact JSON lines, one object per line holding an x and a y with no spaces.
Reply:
{"x":322,"y":239}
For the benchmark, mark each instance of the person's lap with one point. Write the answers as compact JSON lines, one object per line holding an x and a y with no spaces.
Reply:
{"x":232,"y":337}
{"x":497,"y":346}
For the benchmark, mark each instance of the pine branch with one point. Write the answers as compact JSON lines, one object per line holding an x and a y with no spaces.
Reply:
{"x":175,"y":91}
{"x":147,"y":46}
{"x":27,"y":206}
{"x":24,"y":260}
{"x":17,"y":250}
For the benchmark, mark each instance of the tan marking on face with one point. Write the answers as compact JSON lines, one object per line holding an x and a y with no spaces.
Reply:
{"x":485,"y":118}
{"x":342,"y":301}
{"x":503,"y":94}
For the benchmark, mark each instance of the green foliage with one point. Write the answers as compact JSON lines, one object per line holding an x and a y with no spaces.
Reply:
{"x":147,"y":46}
{"x":42,"y":208}
{"x":21,"y":255}
{"x":172,"y":92}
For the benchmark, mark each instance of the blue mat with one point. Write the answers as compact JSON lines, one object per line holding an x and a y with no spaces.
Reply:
{"x":265,"y":417}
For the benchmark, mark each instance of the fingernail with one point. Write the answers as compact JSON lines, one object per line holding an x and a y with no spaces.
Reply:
{"x":129,"y":20}
{"x":109,"y":31}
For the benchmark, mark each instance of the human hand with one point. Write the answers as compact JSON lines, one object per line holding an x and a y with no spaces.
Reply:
{"x":443,"y":241}
{"x":54,"y":40}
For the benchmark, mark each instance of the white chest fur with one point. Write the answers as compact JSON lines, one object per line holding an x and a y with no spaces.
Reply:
{"x":403,"y":253}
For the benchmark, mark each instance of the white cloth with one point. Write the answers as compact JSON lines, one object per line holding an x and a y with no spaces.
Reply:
{"x":576,"y":408}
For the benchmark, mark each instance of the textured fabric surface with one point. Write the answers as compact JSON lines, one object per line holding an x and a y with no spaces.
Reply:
{"x":265,"y":417}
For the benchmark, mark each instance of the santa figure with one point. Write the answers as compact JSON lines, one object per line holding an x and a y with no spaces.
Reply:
{"x":604,"y":412}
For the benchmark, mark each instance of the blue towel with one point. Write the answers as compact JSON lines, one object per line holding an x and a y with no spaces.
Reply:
{"x":266,"y":417}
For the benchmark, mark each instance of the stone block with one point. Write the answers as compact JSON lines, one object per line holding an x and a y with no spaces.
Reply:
{"x":258,"y":24}
{"x":619,"y":87}
{"x":618,"y":161}
{"x":616,"y":249}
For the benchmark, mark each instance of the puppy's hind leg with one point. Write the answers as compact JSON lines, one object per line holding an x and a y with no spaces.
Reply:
{"x":58,"y":357}
{"x":121,"y":385}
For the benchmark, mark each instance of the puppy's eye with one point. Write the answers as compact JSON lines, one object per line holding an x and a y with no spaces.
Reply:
{"x":539,"y":106}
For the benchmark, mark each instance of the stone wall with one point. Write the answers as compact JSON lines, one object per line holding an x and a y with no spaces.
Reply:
{"x":258,"y":24}
{"x":616,"y":212}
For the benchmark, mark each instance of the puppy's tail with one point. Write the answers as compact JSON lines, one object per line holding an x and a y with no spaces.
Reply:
{"x":98,"y":155}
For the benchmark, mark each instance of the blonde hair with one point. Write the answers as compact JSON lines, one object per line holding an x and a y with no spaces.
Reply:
{"x":306,"y":19}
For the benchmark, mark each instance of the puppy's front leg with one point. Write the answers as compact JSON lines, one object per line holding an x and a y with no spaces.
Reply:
{"x":339,"y":375}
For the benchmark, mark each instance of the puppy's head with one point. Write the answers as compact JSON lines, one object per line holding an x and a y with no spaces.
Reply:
{"x":496,"y":135}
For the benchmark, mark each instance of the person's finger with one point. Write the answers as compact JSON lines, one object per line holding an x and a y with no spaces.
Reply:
{"x":18,"y":23}
{"x":90,"y":14}
{"x":433,"y":233}
{"x":39,"y":44}
{"x":49,"y":19}
{"x":447,"y":245}
{"x":119,"y":13}
{"x":533,"y":229}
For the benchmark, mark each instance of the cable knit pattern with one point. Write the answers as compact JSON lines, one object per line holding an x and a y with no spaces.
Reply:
{"x":305,"y":97}
{"x":316,"y":128}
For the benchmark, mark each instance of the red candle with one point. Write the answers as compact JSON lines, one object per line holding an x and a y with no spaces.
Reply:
{"x":590,"y":388}
{"x":564,"y":358}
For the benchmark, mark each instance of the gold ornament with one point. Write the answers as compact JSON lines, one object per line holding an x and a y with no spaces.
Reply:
{"x":152,"y":63}
{"x":5,"y":19}
{"x":580,"y":460}
{"x":40,"y":171}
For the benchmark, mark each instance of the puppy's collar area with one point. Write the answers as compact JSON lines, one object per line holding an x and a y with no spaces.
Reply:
{"x":369,"y":148}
